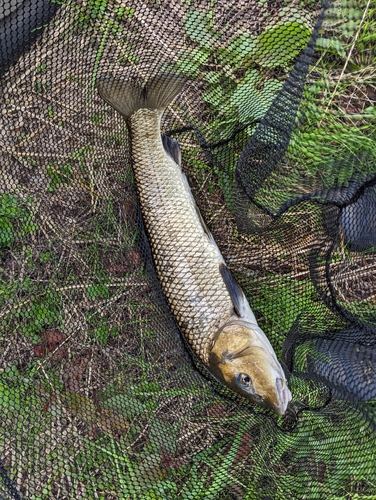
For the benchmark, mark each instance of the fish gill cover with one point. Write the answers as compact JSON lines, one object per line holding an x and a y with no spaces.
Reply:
{"x":100,"y":396}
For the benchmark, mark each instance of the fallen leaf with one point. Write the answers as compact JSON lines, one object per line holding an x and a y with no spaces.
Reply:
{"x":244,"y":447}
{"x":40,"y":351}
{"x":217,"y":410}
{"x":50,"y":341}
{"x":135,"y":257}
{"x":104,"y":419}
{"x":75,"y":372}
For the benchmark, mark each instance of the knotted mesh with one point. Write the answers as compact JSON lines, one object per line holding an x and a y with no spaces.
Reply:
{"x":100,"y":395}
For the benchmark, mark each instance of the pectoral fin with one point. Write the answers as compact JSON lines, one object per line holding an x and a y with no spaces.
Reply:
{"x":235,"y":291}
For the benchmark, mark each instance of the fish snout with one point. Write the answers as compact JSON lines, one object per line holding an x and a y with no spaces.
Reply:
{"x":284,"y":396}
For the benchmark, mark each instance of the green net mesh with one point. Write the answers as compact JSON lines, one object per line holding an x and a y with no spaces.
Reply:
{"x":101,"y":396}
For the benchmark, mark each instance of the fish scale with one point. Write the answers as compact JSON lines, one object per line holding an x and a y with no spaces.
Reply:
{"x":206,"y":301}
{"x":186,"y":262}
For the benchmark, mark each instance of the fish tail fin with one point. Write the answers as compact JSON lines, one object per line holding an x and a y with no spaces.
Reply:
{"x":128,"y":97}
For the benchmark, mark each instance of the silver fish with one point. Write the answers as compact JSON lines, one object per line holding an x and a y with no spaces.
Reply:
{"x":206,"y":301}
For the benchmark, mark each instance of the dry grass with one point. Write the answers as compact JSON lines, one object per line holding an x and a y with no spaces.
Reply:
{"x":95,"y":390}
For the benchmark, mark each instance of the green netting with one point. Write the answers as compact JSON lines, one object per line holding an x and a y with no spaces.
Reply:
{"x":101,"y":396}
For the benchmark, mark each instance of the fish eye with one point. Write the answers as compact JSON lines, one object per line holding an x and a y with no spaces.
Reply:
{"x":245,"y":383}
{"x":244,"y":380}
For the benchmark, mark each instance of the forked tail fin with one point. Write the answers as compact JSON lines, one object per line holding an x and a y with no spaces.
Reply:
{"x":128,"y":97}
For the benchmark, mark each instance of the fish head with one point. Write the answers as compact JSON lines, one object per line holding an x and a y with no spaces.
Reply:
{"x":244,"y":360}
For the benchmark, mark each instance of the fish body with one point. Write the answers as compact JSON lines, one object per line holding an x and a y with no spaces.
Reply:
{"x":187,"y":264}
{"x":207,"y":303}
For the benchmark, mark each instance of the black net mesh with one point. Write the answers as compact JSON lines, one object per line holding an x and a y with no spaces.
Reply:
{"x":100,"y":395}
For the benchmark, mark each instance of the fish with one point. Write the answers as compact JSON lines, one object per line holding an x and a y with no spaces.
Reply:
{"x":205,"y":299}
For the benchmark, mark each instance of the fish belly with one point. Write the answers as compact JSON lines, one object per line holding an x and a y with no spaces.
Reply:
{"x":187,"y":263}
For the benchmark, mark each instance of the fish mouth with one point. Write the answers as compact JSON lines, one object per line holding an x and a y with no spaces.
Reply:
{"x":277,"y":404}
{"x":284,"y":397}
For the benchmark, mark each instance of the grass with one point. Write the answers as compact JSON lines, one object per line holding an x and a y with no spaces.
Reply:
{"x":97,"y":397}
{"x":338,"y":113}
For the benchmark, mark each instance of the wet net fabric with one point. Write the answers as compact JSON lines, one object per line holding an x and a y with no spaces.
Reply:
{"x":100,"y":396}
